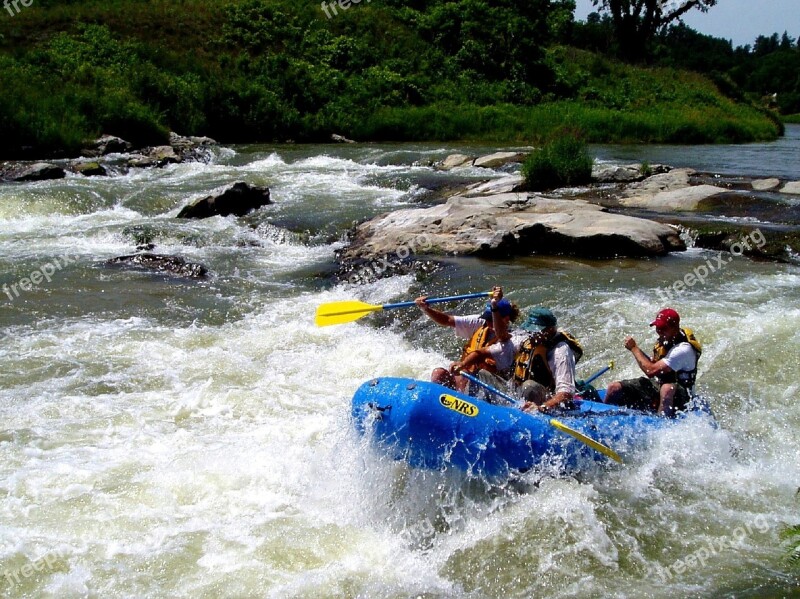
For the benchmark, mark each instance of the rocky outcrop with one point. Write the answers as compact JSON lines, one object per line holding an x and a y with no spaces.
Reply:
{"x":513,"y":224}
{"x":159,"y":263}
{"x":493,"y":161}
{"x":626,"y":173}
{"x":499,"y":159}
{"x":38,"y":171}
{"x":668,"y":192}
{"x":237,"y":199}
{"x":107,"y":144}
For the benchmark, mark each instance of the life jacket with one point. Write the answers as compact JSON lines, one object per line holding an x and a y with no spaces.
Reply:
{"x":484,"y":335}
{"x":683,"y":377}
{"x":531,"y":363}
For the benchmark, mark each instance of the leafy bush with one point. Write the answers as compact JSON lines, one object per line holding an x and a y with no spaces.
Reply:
{"x":563,"y":161}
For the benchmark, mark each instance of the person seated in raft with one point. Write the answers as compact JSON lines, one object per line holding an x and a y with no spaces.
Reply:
{"x":489,"y":346}
{"x":670,"y":373}
{"x":544,"y":366}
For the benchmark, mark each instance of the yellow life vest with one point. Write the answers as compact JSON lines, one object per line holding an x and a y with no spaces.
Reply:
{"x":484,"y":335}
{"x":531,"y":363}
{"x":684,"y":377}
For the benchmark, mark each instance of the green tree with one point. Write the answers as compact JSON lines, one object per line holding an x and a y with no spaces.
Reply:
{"x":636,"y":22}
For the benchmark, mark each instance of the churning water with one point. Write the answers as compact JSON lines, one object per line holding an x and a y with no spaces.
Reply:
{"x":163,"y":437}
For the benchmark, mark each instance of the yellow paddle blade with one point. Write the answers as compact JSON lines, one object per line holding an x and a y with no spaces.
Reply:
{"x":588,"y":440}
{"x":341,"y":312}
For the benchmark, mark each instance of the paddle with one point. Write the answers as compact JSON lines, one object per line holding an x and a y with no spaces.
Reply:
{"x":599,"y":373}
{"x":350,"y":310}
{"x":596,"y":445}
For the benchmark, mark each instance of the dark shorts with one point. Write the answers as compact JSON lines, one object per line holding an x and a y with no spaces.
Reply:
{"x":643,"y":394}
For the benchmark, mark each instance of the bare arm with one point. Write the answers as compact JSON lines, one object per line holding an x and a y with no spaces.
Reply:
{"x":499,"y":323}
{"x":647,"y":365}
{"x":473,"y":357}
{"x":440,"y":318}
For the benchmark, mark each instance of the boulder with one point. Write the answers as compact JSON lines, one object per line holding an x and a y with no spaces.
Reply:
{"x":625,"y":173}
{"x":499,"y":159}
{"x":163,"y":155}
{"x":107,"y":144}
{"x":792,"y":187}
{"x":684,"y":199}
{"x":237,"y":199}
{"x":765,"y":184}
{"x":341,"y":139}
{"x":39,"y":171}
{"x":89,"y":169}
{"x":675,"y":179}
{"x":495,"y":186}
{"x":174,"y":265}
{"x":513,"y":224}
{"x":455,"y":161}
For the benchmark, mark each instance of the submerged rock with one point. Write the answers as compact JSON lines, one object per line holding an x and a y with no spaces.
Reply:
{"x":237,"y":199}
{"x":174,"y":265}
{"x":513,"y":224}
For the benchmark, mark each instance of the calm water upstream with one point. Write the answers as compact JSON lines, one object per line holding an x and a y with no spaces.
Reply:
{"x":168,"y":438}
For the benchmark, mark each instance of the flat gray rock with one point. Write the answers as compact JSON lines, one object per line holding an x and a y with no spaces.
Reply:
{"x":791,"y":187}
{"x":680,"y":200}
{"x":499,"y":159}
{"x":765,"y":184}
{"x":513,"y":224}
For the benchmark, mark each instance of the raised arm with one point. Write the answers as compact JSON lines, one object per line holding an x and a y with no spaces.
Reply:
{"x":440,"y":318}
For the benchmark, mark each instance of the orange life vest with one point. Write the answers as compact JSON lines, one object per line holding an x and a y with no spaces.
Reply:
{"x":531,"y":360}
{"x":484,"y":335}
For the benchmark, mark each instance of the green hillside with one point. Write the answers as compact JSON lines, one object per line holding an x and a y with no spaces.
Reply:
{"x":264,"y":70}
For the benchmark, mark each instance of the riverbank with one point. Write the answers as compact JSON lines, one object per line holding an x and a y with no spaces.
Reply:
{"x":280,"y":71}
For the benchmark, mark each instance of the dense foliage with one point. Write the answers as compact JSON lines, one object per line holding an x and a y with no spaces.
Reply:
{"x":768,"y":72}
{"x":262,"y":70}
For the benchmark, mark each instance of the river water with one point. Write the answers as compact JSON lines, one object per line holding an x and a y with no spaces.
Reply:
{"x":161,"y":437}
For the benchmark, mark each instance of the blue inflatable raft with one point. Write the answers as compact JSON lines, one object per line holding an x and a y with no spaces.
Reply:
{"x":433,"y":427}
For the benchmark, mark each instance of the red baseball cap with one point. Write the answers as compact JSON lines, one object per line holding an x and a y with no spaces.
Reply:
{"x":665,"y":317}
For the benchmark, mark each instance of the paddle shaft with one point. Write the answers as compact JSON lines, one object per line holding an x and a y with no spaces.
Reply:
{"x":598,"y":374}
{"x":436,"y":300}
{"x":490,"y":389}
